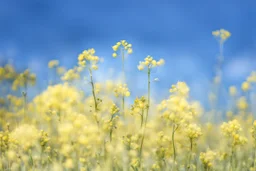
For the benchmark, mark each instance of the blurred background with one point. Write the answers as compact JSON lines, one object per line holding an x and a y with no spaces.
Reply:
{"x":32,"y":32}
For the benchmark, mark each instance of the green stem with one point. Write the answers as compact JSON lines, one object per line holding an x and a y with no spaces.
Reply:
{"x":122,"y":51}
{"x":231,"y":158}
{"x":24,"y":94}
{"x":55,"y":76}
{"x":173,"y":144}
{"x":111,"y":130}
{"x":254,"y":156}
{"x":142,"y":118}
{"x":123,"y":105}
{"x":191,"y":150}
{"x":94,"y":96}
{"x":147,"y":111}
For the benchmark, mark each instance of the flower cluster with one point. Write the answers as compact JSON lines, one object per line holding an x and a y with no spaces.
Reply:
{"x":150,"y":62}
{"x":23,"y":133}
{"x":231,"y":130}
{"x":181,"y":89}
{"x":53,"y":64}
{"x":71,"y":75}
{"x":232,"y":90}
{"x":122,"y":90}
{"x":87,"y":57}
{"x":245,"y":86}
{"x":7,"y":72}
{"x":114,"y":109}
{"x":177,"y":108}
{"x":252,"y":77}
{"x":253,"y":131}
{"x":44,"y":138}
{"x":24,"y":79}
{"x":139,"y":105}
{"x":193,"y":131}
{"x":221,"y":35}
{"x":4,"y":141}
{"x":242,"y":103}
{"x":123,"y":45}
{"x":207,"y":158}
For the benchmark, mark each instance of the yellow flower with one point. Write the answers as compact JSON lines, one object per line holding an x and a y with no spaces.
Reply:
{"x":129,"y":51}
{"x":193,"y":131}
{"x":180,"y":88}
{"x":232,"y":90}
{"x":140,"y":67}
{"x":61,"y":70}
{"x":53,"y":63}
{"x":245,"y":86}
{"x":221,"y":35}
{"x":242,"y":103}
{"x":149,"y":62}
{"x":94,"y":67}
{"x":208,"y":158}
{"x":122,"y":90}
{"x":216,"y":33}
{"x":114,"y":55}
{"x":69,"y":163}
{"x":115,"y":48}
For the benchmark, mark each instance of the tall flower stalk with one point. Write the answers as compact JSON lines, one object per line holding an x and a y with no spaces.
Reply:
{"x":148,"y":63}
{"x":24,"y":80}
{"x":232,"y":130}
{"x":177,"y":111}
{"x":138,"y":108}
{"x":193,"y":132}
{"x":53,"y":64}
{"x":89,"y":60}
{"x":125,"y":49}
{"x":221,"y":36}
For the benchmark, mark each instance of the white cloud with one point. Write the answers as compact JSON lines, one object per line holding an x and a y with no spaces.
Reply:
{"x":239,"y":68}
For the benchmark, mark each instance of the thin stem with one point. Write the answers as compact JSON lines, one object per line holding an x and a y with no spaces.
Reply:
{"x":173,"y":143}
{"x":123,"y":105}
{"x":142,"y":118}
{"x":147,"y":111}
{"x":122,"y":52}
{"x":123,"y":71}
{"x":55,"y":76}
{"x":24,"y":94}
{"x":111,"y":130}
{"x":219,"y":74}
{"x":231,"y":158}
{"x":254,"y":156}
{"x":94,"y":96}
{"x":191,"y":150}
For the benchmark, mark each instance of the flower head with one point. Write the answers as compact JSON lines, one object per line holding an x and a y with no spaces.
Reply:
{"x":221,"y":35}
{"x":124,"y":46}
{"x":149,"y":62}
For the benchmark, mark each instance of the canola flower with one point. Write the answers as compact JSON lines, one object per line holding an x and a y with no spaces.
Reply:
{"x":177,"y":111}
{"x":231,"y":130}
{"x":87,"y":59}
{"x":208,"y":159}
{"x":232,"y":91}
{"x":123,"y":91}
{"x":148,"y":63}
{"x":58,"y":130}
{"x":53,"y":63}
{"x":221,"y":36}
{"x":125,"y":49}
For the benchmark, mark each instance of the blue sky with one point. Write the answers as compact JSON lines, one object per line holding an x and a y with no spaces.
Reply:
{"x":32,"y":32}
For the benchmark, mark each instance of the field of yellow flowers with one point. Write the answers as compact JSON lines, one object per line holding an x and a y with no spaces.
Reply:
{"x":64,"y":128}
